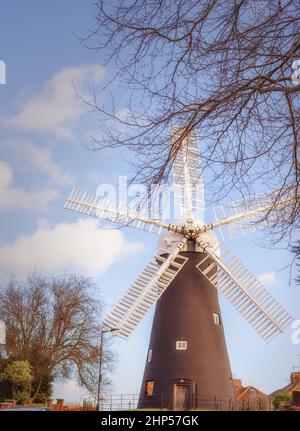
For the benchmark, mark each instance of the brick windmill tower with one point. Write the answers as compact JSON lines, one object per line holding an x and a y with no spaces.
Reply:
{"x":187,"y":362}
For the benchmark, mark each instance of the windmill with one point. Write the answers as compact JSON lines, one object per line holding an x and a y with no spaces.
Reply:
{"x":187,"y":356}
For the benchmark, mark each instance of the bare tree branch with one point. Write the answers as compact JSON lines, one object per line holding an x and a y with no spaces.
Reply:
{"x":221,"y":67}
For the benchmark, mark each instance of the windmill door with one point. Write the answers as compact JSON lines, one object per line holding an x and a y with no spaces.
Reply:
{"x":181,"y":396}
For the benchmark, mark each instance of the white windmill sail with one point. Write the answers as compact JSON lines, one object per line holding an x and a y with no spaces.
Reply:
{"x":187,"y":179}
{"x":94,"y":205}
{"x":244,"y":216}
{"x":245,"y":292}
{"x":145,"y":291}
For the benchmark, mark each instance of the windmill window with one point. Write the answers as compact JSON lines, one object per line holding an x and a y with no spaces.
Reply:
{"x":149,"y":357}
{"x":149,"y":388}
{"x":181,"y":345}
{"x":216,"y":319}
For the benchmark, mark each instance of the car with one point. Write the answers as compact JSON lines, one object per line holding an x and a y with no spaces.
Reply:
{"x":27,"y":409}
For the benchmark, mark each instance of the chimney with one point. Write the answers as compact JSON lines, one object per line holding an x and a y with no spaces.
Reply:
{"x":295,"y":377}
{"x":237,"y":383}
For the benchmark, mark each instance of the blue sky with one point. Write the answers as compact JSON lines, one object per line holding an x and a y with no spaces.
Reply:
{"x":43,"y":127}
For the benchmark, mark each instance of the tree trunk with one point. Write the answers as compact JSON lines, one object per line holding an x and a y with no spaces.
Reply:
{"x":37,"y":389}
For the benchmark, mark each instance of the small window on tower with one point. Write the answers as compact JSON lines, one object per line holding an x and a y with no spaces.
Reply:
{"x":181,"y":345}
{"x":216,"y":319}
{"x":149,"y":388}
{"x":149,"y":357}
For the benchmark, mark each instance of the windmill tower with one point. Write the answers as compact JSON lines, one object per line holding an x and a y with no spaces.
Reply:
{"x":187,"y":361}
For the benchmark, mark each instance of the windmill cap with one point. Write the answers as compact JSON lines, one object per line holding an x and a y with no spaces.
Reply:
{"x":169,"y":239}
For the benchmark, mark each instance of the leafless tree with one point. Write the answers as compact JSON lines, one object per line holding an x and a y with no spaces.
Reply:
{"x":53,"y":322}
{"x":223,"y":67}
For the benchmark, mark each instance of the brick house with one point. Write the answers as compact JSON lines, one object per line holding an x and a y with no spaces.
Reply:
{"x":250,"y":398}
{"x":293,"y":388}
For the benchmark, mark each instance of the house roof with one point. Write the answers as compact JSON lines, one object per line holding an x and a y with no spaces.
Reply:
{"x":291,"y":387}
{"x":242,"y":392}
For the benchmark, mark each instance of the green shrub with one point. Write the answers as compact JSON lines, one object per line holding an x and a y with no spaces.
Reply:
{"x":280,"y":399}
{"x":22,"y":396}
{"x":17,"y":377}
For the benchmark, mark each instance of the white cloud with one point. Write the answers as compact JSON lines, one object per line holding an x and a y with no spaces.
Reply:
{"x":12,"y":198}
{"x":267,"y":278}
{"x":40,"y":159}
{"x":55,"y":109}
{"x":79,"y":246}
